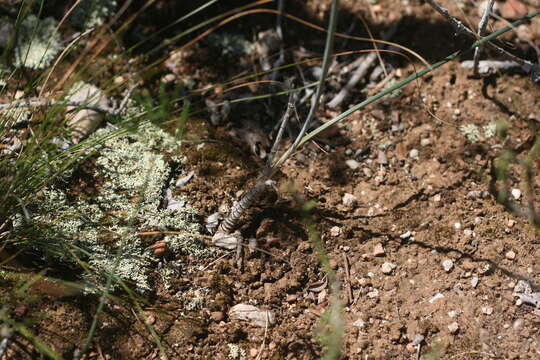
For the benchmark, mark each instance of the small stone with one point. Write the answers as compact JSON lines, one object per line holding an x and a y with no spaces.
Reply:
{"x":510,"y":255}
{"x":387,"y":268}
{"x":367,"y":172}
{"x":217,"y":316}
{"x":474,"y":194}
{"x":253,"y":352}
{"x":418,"y":338}
{"x":373,"y":294}
{"x":511,"y":223}
{"x":519,"y":302}
{"x":457,"y":225}
{"x":468,"y":233}
{"x":335,"y":231}
{"x":348,"y":152}
{"x":410,"y":347}
{"x":349,"y":200}
{"x":488,"y":310}
{"x":382,"y":159}
{"x":453,"y":327}
{"x":518,"y":324}
{"x":474,"y":282}
{"x":150,"y":320}
{"x":447,"y":265}
{"x":477,"y":220}
{"x":452,"y":314}
{"x":413,"y":153}
{"x":352,"y":164}
{"x":436,"y":297}
{"x":437,"y":198}
{"x":516,"y":193}
{"x":425,"y":142}
{"x":359,"y":323}
{"x":405,"y":235}
{"x":378,"y":250}
{"x":291,"y":298}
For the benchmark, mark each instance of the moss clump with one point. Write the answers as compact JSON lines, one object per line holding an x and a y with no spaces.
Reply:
{"x":132,"y":171}
{"x":37,"y":44}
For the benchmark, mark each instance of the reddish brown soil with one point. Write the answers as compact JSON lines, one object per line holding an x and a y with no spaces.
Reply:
{"x":426,"y":196}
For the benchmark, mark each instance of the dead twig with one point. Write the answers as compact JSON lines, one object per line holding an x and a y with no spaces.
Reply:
{"x":532,"y":69}
{"x":360,"y":71}
{"x":481,"y":32}
{"x":346,"y":265}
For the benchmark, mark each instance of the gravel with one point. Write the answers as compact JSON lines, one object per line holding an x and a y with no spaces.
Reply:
{"x":387,"y":268}
{"x":447,"y":265}
{"x":349,"y":200}
{"x":352,"y":164}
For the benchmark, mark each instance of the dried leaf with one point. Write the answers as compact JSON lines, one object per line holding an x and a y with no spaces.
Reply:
{"x":83,"y":122}
{"x":226,"y":241}
{"x":212,"y":222}
{"x":184,"y":180}
{"x":252,"y":314}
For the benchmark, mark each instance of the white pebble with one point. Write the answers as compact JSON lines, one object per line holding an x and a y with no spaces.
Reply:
{"x":359,"y":323}
{"x":405,"y":235}
{"x":436,"y":297}
{"x":335,"y":231}
{"x":474,"y":282}
{"x":387,"y":268}
{"x":516,"y":193}
{"x":353,"y":164}
{"x":447,"y":265}
{"x":349,"y":200}
{"x":488,"y":310}
{"x":510,"y":255}
{"x":457,"y":226}
{"x":452,"y":314}
{"x":453,"y":327}
{"x":425,"y":142}
{"x":413,"y":153}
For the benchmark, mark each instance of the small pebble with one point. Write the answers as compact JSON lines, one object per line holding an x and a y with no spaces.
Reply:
{"x":468,"y":233}
{"x":518,"y":324}
{"x":425,"y":142}
{"x":359,"y":323}
{"x":367,"y":172}
{"x":436,"y":297}
{"x":335,"y":231}
{"x":411,"y":347}
{"x":418,"y":338}
{"x":373,"y":294}
{"x":150,"y":320}
{"x":382,"y":159}
{"x":405,"y":235}
{"x":349,"y":200}
{"x":413,"y":153}
{"x":474,"y":282}
{"x":519,"y":302}
{"x":510,"y":255}
{"x":452,"y":314}
{"x":352,"y":164}
{"x":511,"y":223}
{"x":447,"y":265}
{"x":453,"y":327}
{"x":437,"y":198}
{"x":488,"y":310}
{"x":388,"y":267}
{"x":477,"y":220}
{"x":457,"y":226}
{"x":217,"y":316}
{"x":253,"y":352}
{"x":378,"y":250}
{"x":348,"y":152}
{"x":516,"y":193}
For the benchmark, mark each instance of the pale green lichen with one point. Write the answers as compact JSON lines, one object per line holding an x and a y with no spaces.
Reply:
{"x":90,"y":13}
{"x":37,"y":44}
{"x":133,"y":172}
{"x":236,"y":352}
{"x":471,"y":132}
{"x":490,"y":130}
